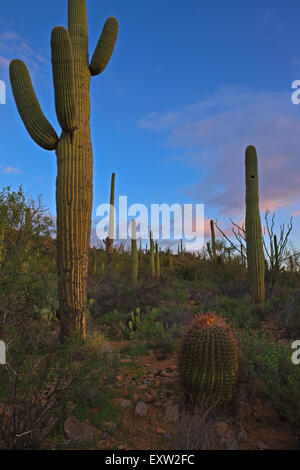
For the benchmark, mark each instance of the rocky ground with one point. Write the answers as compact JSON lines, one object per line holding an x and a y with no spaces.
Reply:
{"x":153,"y":415}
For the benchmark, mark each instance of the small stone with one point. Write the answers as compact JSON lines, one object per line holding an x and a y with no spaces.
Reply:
{"x":109,"y":426}
{"x":124,"y":403}
{"x":160,"y":431}
{"x":260,"y":445}
{"x":78,"y":432}
{"x":172,"y":413}
{"x":242,"y":436}
{"x":141,"y":409}
{"x":221,"y":428}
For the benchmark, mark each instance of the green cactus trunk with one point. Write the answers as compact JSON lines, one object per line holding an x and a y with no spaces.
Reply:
{"x":152,"y":257}
{"x":213,"y":240}
{"x":134,"y":255}
{"x":209,"y":251}
{"x":255,"y":255}
{"x":157,"y":261}
{"x":74,"y":184}
{"x":111,"y":230}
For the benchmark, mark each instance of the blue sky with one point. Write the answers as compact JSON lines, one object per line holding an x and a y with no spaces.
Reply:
{"x":189,"y":86}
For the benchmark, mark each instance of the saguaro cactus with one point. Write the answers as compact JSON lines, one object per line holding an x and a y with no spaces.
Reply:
{"x":213,"y":240}
{"x":134,"y":254}
{"x":74,"y":184}
{"x":255,"y":255}
{"x":152,"y":260}
{"x":111,"y":229}
{"x":157,"y":261}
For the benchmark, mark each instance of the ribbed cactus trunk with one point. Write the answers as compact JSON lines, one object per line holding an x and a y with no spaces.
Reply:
{"x":134,"y":254}
{"x":152,"y":260}
{"x":111,"y":229}
{"x":157,"y":261}
{"x":255,"y":255}
{"x":74,"y":184}
{"x":213,"y":240}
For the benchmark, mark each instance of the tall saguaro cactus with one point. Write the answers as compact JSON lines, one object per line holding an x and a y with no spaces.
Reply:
{"x":134,"y":254}
{"x":255,"y":255}
{"x":111,"y":229}
{"x":74,"y":184}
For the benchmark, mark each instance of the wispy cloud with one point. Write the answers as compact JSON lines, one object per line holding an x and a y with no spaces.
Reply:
{"x":12,"y":46}
{"x":11,"y":170}
{"x":211,"y":136}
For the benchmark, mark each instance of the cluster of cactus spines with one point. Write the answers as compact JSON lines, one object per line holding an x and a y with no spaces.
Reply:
{"x":208,"y":360}
{"x":157,"y":261}
{"x":213,"y":240}
{"x":111,"y":228}
{"x":74,"y":185}
{"x":152,"y":255}
{"x":134,"y":254}
{"x":255,"y":255}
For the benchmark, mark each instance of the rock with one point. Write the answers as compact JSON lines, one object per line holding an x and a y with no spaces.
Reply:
{"x":260,"y":445}
{"x":160,"y":431}
{"x":143,"y":386}
{"x":221,"y":428}
{"x":141,"y":409}
{"x":78,"y":432}
{"x":167,"y":436}
{"x":109,"y":426}
{"x":242,"y":436}
{"x":148,"y":397}
{"x":124,"y":403}
{"x":172,"y":413}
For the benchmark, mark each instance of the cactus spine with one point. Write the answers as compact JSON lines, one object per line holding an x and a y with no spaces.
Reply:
{"x":255,"y":255}
{"x":74,"y":184}
{"x":134,"y":254}
{"x":208,"y":360}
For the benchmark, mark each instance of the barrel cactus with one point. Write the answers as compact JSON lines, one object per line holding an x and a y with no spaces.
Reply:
{"x":72,"y":74}
{"x":208,"y":360}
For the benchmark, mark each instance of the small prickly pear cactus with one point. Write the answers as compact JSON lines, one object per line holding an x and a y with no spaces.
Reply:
{"x":208,"y":360}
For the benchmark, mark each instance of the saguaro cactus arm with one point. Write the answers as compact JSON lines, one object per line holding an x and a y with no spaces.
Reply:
{"x":29,"y":108}
{"x":105,"y":46}
{"x":63,"y":78}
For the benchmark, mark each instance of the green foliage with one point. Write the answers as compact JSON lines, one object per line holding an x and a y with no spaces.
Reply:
{"x":43,"y":382}
{"x":28,"y":273}
{"x":241,"y":312}
{"x":273,"y":374}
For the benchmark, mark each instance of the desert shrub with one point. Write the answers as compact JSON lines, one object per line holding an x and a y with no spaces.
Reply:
{"x":43,"y":382}
{"x":241,"y":312}
{"x":28,"y":267}
{"x":273,"y":374}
